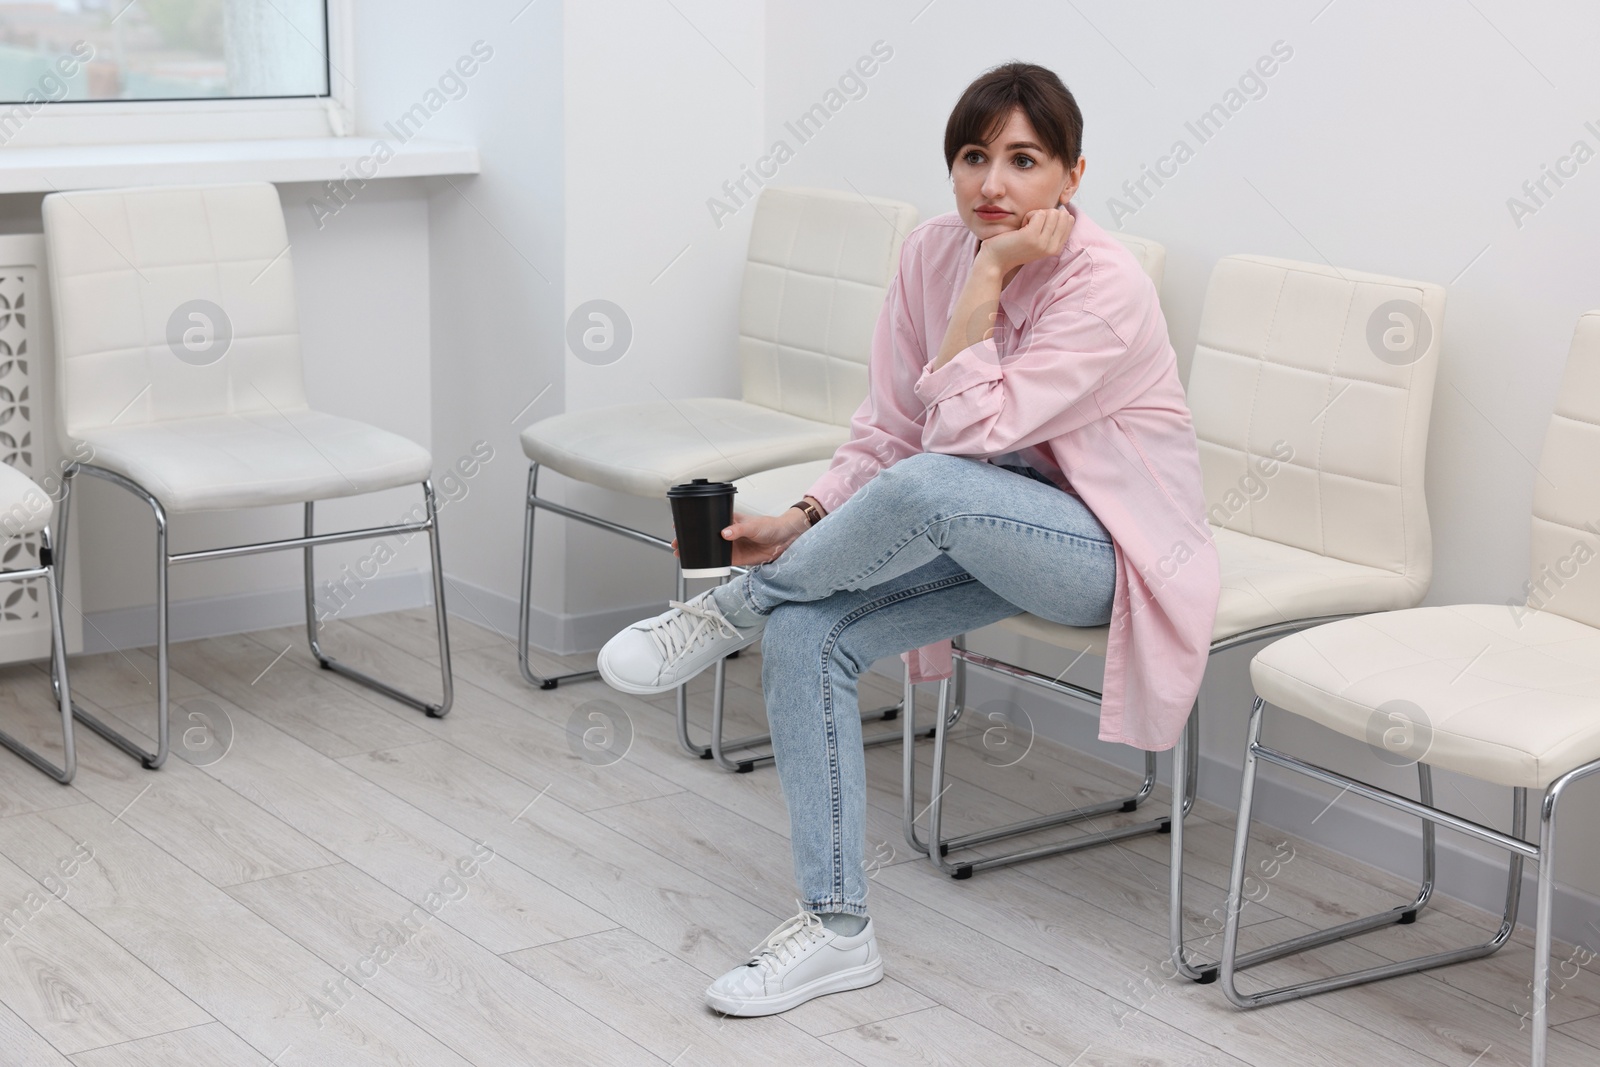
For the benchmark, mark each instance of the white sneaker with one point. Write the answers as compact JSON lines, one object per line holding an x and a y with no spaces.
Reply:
{"x":662,"y":653}
{"x":799,"y":960}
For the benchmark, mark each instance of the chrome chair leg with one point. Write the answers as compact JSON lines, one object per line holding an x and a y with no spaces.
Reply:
{"x":908,"y":762}
{"x":1205,"y":973}
{"x":1545,"y":911}
{"x":58,"y":668}
{"x":164,"y":559}
{"x":1232,"y":962}
{"x":150,"y":760}
{"x":525,"y":601}
{"x":1185,"y":771}
{"x":328,"y":663}
{"x":937,"y":846}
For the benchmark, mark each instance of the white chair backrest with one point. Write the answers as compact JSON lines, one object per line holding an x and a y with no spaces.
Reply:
{"x":171,"y":303}
{"x":818,"y":267}
{"x":1152,"y":257}
{"x":1566,"y":495}
{"x":1324,"y":377}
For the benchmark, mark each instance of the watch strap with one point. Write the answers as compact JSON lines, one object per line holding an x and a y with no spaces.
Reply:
{"x":809,"y":510}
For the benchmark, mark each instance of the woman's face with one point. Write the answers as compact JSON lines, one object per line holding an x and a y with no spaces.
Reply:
{"x":998,"y":183}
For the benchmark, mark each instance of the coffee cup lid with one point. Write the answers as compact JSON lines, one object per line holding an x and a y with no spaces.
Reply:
{"x":701,"y":487}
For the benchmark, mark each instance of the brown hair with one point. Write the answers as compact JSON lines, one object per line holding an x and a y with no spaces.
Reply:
{"x":987,"y":102}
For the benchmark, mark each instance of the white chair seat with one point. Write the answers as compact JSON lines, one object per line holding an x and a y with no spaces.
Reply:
{"x":24,"y":507}
{"x":644,"y":449}
{"x":771,"y":492}
{"x":1511,"y":698}
{"x":257,"y":458}
{"x":1263,"y":582}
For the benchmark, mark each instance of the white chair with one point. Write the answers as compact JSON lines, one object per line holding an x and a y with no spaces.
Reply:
{"x":178,"y":356}
{"x":771,"y":492}
{"x":25,"y":509}
{"x":1287,"y":369}
{"x":1507,"y":693}
{"x":818,"y":266}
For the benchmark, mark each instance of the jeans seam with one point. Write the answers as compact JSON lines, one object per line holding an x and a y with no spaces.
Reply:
{"x":884,"y":560}
{"x":835,"y":788}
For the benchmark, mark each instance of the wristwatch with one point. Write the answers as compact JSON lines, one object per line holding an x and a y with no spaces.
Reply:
{"x":812,"y":513}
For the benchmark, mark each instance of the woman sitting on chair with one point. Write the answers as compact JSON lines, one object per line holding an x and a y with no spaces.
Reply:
{"x":1025,"y":446}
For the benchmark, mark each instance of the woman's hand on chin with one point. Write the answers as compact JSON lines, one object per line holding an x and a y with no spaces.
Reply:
{"x":761,"y":538}
{"x":1043,"y":233}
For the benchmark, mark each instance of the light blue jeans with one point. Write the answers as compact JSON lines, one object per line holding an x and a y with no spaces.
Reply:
{"x":932,"y":547}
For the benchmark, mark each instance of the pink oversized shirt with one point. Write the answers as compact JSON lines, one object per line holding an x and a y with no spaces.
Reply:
{"x":1081,"y":367}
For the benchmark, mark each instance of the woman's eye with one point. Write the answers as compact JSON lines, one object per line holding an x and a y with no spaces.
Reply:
{"x":1020,"y":160}
{"x":974,"y":157}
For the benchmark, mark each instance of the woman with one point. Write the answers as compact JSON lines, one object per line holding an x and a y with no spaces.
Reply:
{"x":1025,"y":446}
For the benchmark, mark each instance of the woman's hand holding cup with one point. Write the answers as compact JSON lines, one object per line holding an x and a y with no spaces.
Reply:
{"x":761,"y":538}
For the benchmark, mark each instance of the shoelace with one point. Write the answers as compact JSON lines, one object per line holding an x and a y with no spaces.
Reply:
{"x":787,"y":941}
{"x":693,"y":626}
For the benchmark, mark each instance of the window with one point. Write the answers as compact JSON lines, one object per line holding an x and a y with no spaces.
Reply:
{"x":162,"y":49}
{"x":114,"y":71}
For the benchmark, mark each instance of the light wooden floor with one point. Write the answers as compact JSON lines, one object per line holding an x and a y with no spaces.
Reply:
{"x":250,"y":910}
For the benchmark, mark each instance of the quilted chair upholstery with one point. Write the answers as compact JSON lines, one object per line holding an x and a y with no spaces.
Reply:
{"x":818,"y":265}
{"x":1527,"y":708}
{"x":199,"y":433}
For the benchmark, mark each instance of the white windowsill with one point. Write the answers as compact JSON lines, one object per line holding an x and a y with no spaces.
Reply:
{"x":312,"y":159}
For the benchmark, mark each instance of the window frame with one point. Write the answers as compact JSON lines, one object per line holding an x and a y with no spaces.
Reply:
{"x":108,"y":122}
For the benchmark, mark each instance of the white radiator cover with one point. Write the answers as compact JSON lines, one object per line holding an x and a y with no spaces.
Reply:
{"x":28,"y":443}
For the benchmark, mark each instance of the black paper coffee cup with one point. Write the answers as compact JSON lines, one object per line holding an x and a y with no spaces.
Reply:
{"x":701,"y":510}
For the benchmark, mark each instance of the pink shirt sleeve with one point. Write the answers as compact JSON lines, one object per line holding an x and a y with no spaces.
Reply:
{"x":887,"y":427}
{"x":980,"y":404}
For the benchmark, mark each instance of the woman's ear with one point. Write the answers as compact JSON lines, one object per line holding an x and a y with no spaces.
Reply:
{"x":1074,"y":179}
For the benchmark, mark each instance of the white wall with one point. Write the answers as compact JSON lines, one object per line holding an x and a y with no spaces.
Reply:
{"x":570,"y":115}
{"x":663,"y":104}
{"x":495,"y":262}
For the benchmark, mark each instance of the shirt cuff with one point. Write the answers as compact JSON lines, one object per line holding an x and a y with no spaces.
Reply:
{"x":969,"y":367}
{"x":830,"y":491}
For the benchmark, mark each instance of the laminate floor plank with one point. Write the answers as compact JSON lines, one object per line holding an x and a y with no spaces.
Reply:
{"x":124,"y":678}
{"x":413,"y":631}
{"x":61,"y":973}
{"x":228,"y":962}
{"x":1124,"y":961}
{"x":658,"y":1000}
{"x":303,"y":703}
{"x":24,"y":1045}
{"x":24,"y":690}
{"x":211,"y":1045}
{"x":936,"y":1037}
{"x":402,"y":846}
{"x":197,"y":819}
{"x":471,"y":999}
{"x":676,"y":908}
